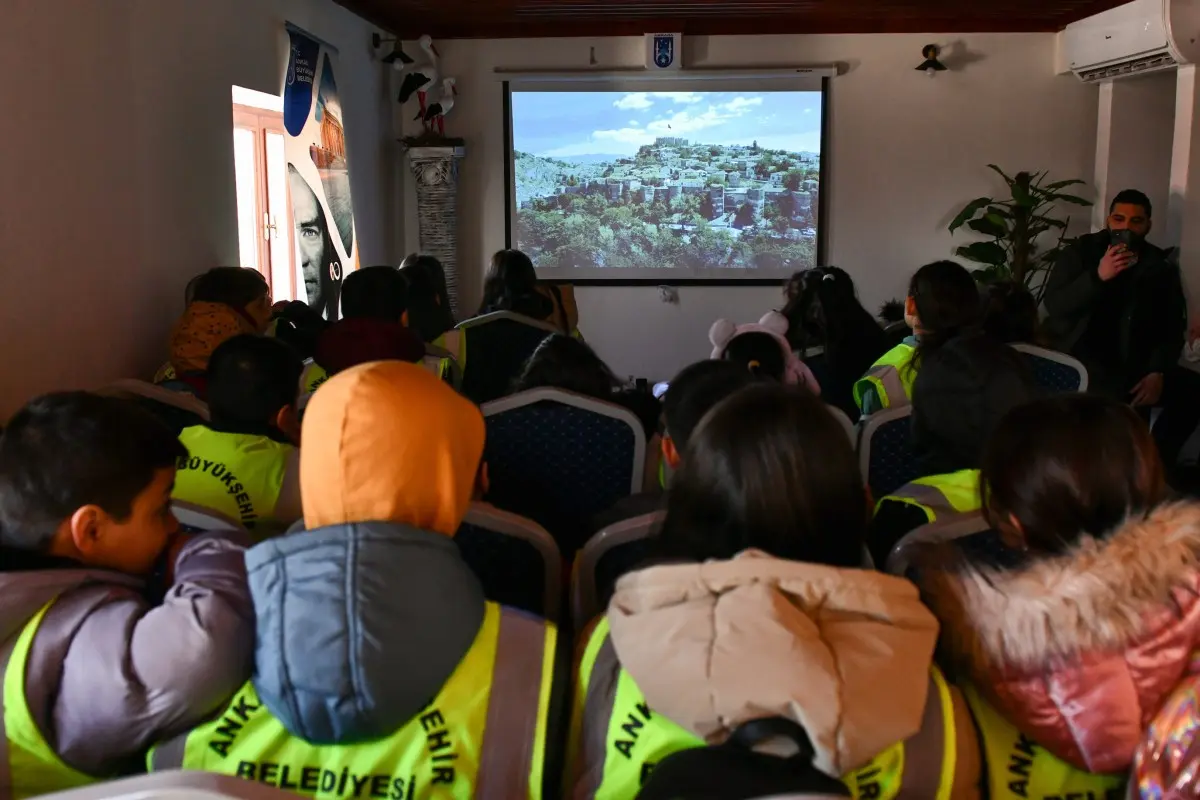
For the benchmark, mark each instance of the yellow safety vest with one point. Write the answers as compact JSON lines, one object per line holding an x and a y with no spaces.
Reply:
{"x":616,"y":739}
{"x":940,"y":496}
{"x":483,"y":735}
{"x":1018,"y":768}
{"x":312,"y":377}
{"x":892,"y":377}
{"x":453,"y":342}
{"x":34,"y":768}
{"x":237,"y":474}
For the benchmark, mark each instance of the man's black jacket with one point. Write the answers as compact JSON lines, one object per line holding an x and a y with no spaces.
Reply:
{"x":1154,"y":317}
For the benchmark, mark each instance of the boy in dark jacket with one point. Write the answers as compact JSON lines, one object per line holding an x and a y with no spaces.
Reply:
{"x":85,"y":517}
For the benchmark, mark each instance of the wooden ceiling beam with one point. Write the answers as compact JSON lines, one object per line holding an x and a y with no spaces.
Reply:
{"x":467,"y":19}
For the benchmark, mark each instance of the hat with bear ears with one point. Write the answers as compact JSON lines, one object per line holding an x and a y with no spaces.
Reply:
{"x":775,"y":325}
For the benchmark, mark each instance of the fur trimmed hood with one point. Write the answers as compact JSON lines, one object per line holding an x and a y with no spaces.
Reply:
{"x":1079,"y":650}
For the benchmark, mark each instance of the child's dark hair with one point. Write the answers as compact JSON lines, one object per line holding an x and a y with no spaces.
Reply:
{"x":379,"y":293}
{"x":759,"y":353}
{"x":250,"y":378}
{"x":1011,"y":315}
{"x":429,"y":312}
{"x":564,"y":362}
{"x":511,"y":285}
{"x":948,"y":304}
{"x":768,"y":468}
{"x":825,"y":311}
{"x":1068,"y":466}
{"x":695,"y":391}
{"x":234,"y":286}
{"x":64,"y":451}
{"x":300,"y":327}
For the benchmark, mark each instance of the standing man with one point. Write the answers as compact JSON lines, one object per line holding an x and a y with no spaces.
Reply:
{"x":1115,"y":302}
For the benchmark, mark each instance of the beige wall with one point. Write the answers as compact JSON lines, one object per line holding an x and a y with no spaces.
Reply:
{"x":1135,"y":131}
{"x":118,"y":168}
{"x":907,"y":151}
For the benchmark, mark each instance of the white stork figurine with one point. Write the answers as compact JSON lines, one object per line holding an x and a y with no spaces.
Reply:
{"x":421,"y":76}
{"x":438,"y":110}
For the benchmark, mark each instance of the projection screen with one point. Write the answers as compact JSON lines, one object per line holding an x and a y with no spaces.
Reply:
{"x":666,"y":182}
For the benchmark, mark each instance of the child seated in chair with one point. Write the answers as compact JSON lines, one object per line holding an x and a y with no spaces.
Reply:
{"x":96,"y":670}
{"x":762,"y":349}
{"x":963,"y":390}
{"x":226,"y":301}
{"x":943,"y":302}
{"x":695,"y":391}
{"x":374,"y":324}
{"x":244,"y":463}
{"x":379,"y":655}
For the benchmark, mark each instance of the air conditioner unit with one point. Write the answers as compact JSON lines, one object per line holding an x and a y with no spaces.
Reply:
{"x":1138,"y":37}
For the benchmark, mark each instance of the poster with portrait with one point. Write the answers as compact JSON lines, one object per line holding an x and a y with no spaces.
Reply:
{"x":318,"y":178}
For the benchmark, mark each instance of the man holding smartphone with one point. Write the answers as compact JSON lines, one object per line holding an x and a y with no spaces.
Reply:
{"x":1116,"y":302}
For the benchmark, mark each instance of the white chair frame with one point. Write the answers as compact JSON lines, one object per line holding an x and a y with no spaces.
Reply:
{"x":584,"y":602}
{"x":900,"y":558}
{"x":205,"y":518}
{"x":175,"y":785}
{"x":136,"y":388}
{"x":496,"y":316}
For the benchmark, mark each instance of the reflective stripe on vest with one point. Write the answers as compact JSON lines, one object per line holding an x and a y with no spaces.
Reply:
{"x":940,"y":496}
{"x":616,"y":739}
{"x":237,"y":474}
{"x":484,"y":735}
{"x":1019,"y":768}
{"x":29,"y":767}
{"x":312,"y":377}
{"x":892,"y":377}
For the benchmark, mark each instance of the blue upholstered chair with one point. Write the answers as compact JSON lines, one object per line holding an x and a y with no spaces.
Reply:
{"x":559,"y":459}
{"x":515,"y":559}
{"x":1055,"y":372}
{"x":886,"y":452}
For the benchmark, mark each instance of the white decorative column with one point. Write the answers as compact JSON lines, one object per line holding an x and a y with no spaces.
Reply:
{"x":436,"y":170}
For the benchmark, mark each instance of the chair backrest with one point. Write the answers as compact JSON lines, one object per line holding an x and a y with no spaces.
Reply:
{"x":178,"y":410}
{"x":515,"y":559}
{"x":496,"y":348}
{"x":607,"y":556}
{"x":900,"y":559}
{"x":847,"y":425}
{"x":885,"y":451}
{"x":199,"y":519}
{"x":561,"y":458}
{"x":176,"y":785}
{"x":1054,"y":371}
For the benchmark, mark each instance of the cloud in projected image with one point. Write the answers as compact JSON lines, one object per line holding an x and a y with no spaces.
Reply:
{"x":566,"y":124}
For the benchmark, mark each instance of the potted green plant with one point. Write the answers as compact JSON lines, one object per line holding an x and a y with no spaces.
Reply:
{"x":1014,"y":226}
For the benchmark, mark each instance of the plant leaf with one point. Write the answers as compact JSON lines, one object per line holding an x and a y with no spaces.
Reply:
{"x":984,"y":253}
{"x":989,"y":225}
{"x":1052,"y":222}
{"x":1000,"y":211}
{"x":1022,"y":196}
{"x":1061,"y":184}
{"x":972,"y":208}
{"x":1000,"y":172}
{"x":1074,"y":200}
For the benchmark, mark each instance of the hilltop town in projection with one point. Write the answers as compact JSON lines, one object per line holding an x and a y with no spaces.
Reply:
{"x":740,"y":192}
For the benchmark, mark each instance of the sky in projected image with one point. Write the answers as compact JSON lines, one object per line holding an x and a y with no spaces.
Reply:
{"x":571,"y":124}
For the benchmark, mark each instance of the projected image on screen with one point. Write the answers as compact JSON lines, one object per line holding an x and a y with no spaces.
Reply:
{"x":704,"y":184}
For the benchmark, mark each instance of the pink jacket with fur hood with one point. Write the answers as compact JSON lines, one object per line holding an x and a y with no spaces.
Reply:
{"x":1080,"y":651}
